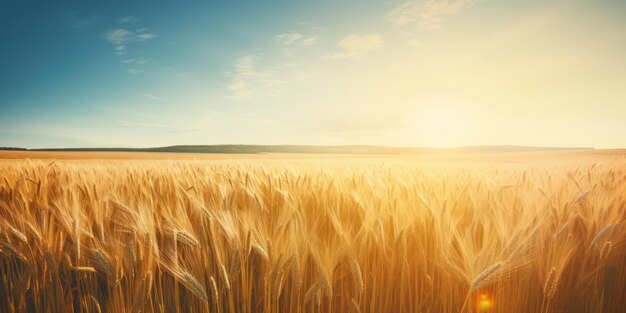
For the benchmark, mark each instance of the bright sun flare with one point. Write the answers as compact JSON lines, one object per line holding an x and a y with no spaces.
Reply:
{"x":439,"y":125}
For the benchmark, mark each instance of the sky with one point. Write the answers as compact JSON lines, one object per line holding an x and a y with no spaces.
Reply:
{"x":433,"y":73}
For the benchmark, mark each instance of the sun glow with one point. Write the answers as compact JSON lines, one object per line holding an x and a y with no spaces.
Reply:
{"x":441,"y":124}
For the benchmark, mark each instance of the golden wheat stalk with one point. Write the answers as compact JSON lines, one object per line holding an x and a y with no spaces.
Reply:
{"x":103,"y":264}
{"x":186,"y":238}
{"x":551,"y":283}
{"x":192,"y":284}
{"x":483,"y":278}
{"x":214,"y":292}
{"x":355,"y":270}
{"x":600,"y":234}
{"x":83,"y":269}
{"x":606,"y":249}
{"x":143,"y":292}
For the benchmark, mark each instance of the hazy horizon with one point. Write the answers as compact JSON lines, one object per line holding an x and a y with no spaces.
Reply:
{"x":422,"y":73}
{"x":199,"y":147}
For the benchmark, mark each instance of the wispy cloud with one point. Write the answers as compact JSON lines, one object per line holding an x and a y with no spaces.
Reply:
{"x":136,"y":65}
{"x":122,"y":37}
{"x":204,"y":121}
{"x":295,"y":38}
{"x":152,"y":97}
{"x":145,"y":36}
{"x":248,"y":79}
{"x":145,"y":124}
{"x":136,"y":61}
{"x":428,"y":14}
{"x":271,"y":74}
{"x":127,"y":19}
{"x":138,"y":114}
{"x":79,"y":20}
{"x":355,"y":46}
{"x":130,"y":118}
{"x":119,"y":37}
{"x":135,"y":71}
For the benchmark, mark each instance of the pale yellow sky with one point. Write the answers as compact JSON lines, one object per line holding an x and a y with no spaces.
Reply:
{"x":553,"y":76}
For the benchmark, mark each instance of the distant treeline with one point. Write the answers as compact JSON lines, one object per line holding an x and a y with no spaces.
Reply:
{"x":345,"y":149}
{"x":13,"y":148}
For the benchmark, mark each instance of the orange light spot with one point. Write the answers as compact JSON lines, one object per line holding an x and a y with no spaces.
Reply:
{"x":484,"y":303}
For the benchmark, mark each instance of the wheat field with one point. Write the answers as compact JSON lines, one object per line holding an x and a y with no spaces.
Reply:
{"x":530,"y":233}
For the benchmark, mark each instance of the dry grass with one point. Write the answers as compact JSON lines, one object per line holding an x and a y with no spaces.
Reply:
{"x":386,"y":234}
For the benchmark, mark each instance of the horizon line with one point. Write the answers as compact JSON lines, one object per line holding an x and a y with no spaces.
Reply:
{"x":308,"y":149}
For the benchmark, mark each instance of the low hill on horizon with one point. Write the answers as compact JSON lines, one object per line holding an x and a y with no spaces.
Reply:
{"x":311,"y":149}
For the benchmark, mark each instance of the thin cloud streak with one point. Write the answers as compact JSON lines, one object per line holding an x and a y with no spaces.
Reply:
{"x":80,"y":21}
{"x":135,"y":113}
{"x":249,"y":79}
{"x":356,"y":46}
{"x":121,"y":37}
{"x":428,"y":14}
{"x":144,"y":124}
{"x":127,"y":19}
{"x":295,"y":38}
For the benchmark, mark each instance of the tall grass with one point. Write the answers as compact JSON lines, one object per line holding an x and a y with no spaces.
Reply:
{"x":367,"y":235}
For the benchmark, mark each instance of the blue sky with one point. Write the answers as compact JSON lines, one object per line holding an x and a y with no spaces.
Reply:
{"x":419,"y":73}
